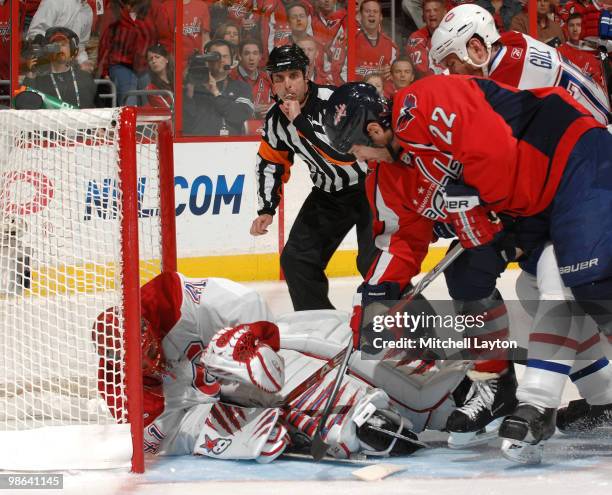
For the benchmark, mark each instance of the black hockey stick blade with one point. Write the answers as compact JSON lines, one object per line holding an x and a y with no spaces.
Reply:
{"x":318,"y":448}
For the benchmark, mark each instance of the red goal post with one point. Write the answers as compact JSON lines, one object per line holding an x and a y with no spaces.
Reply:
{"x":86,"y":217}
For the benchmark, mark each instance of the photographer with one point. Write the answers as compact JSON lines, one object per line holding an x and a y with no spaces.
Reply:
{"x":53,"y":60}
{"x":214,"y":104}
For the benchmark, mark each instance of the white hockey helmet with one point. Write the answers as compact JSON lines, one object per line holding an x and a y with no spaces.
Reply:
{"x":458,"y":27}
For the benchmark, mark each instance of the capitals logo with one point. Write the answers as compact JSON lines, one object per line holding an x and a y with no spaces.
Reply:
{"x":340,"y":113}
{"x":405,"y":114}
{"x":215,"y":446}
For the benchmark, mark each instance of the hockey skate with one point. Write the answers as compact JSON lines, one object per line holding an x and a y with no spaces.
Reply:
{"x":580,"y":419}
{"x":525,"y":431}
{"x":487,"y":402}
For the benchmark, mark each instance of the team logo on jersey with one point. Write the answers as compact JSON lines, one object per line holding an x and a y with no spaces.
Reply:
{"x":406,"y":115}
{"x":194,"y":290}
{"x":449,"y":16}
{"x":215,"y":446}
{"x":516,"y":53}
{"x":340,"y":113}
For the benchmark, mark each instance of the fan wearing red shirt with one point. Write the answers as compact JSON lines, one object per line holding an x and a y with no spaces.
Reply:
{"x":329,"y":29}
{"x":374,"y":49}
{"x":315,"y":72}
{"x":580,"y":53}
{"x":419,"y":42}
{"x":196,"y":24}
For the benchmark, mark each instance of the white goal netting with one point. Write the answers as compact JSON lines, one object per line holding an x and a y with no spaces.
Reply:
{"x":61,"y":261}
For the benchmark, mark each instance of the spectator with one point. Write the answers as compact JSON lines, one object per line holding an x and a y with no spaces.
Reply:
{"x":244,"y":13}
{"x":214,"y":104}
{"x":248,"y":72}
{"x":299,"y":21}
{"x":315,"y":71}
{"x":502,"y":11}
{"x":65,"y":81}
{"x":375,"y":50}
{"x":580,"y":53}
{"x":275,"y":28}
{"x":419,"y":42}
{"x":230,"y":33}
{"x":548,"y":29}
{"x":128,"y":28}
{"x":196,"y":25}
{"x":75,"y":15}
{"x":329,"y":30}
{"x":376,"y":80}
{"x":161,"y":75}
{"x":403,"y":74}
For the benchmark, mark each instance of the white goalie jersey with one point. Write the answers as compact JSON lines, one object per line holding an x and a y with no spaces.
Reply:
{"x":244,"y":396}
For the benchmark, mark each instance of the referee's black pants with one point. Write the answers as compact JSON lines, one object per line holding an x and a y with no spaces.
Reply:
{"x":319,"y":228}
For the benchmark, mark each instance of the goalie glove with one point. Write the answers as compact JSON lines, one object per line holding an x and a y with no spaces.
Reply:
{"x":247,"y":354}
{"x":474,"y":224}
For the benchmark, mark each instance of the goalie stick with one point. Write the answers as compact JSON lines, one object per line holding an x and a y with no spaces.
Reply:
{"x":319,"y":447}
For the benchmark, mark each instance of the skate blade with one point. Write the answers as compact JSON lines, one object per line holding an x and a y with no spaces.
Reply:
{"x":471,"y":439}
{"x":522,"y":452}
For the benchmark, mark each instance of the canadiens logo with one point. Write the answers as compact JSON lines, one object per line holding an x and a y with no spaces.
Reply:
{"x":406,"y":115}
{"x":215,"y":445}
{"x":516,"y":53}
{"x":340,"y":113}
{"x":449,"y":16}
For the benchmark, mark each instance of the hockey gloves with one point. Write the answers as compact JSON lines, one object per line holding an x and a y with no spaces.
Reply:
{"x":367,"y":294}
{"x":474,"y":224}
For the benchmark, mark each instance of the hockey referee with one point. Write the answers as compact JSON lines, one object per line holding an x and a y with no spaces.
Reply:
{"x":337,"y":201}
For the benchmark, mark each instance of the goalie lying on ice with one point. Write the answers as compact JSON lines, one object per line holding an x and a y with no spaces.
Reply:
{"x":221,"y":380}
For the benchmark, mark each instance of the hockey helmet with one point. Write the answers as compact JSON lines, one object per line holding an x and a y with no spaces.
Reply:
{"x":349,"y":110}
{"x":109,"y":339}
{"x":458,"y":27}
{"x":287,"y":57}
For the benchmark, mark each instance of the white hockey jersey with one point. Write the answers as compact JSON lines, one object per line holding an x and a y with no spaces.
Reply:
{"x":526,"y":63}
{"x":188,"y":411}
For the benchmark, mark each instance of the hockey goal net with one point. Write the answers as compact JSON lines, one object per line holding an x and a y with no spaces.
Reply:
{"x":86,"y":217}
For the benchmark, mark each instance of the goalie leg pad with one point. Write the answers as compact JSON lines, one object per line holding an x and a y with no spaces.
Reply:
{"x":232,"y":432}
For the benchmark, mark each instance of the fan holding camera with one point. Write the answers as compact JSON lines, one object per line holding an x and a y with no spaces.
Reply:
{"x":52,"y":59}
{"x":214,"y":104}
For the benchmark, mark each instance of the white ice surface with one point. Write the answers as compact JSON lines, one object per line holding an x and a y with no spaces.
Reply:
{"x":571,"y":466}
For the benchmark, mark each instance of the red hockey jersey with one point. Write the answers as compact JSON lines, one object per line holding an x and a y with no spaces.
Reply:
{"x":518,"y":168}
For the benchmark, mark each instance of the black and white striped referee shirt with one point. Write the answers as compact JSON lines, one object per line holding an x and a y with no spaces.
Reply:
{"x":330,"y":170}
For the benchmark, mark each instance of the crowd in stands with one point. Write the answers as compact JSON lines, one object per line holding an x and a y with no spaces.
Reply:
{"x":225,"y":44}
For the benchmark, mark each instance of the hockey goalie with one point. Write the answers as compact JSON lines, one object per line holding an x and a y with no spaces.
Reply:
{"x":223,"y":379}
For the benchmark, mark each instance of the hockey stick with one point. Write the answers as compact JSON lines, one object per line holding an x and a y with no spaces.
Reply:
{"x":319,"y":448}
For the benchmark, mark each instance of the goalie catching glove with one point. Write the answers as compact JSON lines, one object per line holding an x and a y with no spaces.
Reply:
{"x":474,"y":224}
{"x":247,"y":354}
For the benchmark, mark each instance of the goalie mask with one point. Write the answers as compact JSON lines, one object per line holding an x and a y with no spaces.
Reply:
{"x":247,"y":354}
{"x":349,"y":110}
{"x":109,"y":340}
